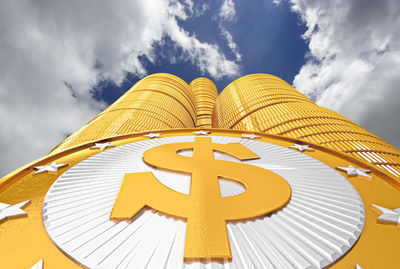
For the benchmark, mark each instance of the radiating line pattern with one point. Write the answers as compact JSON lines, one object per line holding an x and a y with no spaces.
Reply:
{"x":322,"y":221}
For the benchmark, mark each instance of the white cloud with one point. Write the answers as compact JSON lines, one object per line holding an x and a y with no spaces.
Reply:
{"x":231,"y":44}
{"x":52,"y":53}
{"x":227,"y":11}
{"x":354,"y":61}
{"x":207,"y":57}
{"x":201,"y":9}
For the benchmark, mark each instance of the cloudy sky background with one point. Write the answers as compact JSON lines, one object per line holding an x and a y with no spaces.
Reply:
{"x":62,"y":62}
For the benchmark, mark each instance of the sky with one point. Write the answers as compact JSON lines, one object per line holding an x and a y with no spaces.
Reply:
{"x":63,"y":62}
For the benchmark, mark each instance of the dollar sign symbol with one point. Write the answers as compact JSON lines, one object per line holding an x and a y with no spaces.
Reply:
{"x":204,"y":208}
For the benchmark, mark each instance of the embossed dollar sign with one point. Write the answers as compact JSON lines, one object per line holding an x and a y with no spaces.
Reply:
{"x":205,"y":210}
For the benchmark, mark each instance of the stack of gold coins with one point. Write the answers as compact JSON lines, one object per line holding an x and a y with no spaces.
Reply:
{"x":265,"y":103}
{"x":205,"y":93}
{"x":157,"y":102}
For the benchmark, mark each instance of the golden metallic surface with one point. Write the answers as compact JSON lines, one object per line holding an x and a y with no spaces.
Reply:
{"x":26,"y":242}
{"x":258,"y":102}
{"x":261,"y":104}
{"x":265,"y":103}
{"x":204,"y":209}
{"x":159,"y":101}
{"x":205,"y":93}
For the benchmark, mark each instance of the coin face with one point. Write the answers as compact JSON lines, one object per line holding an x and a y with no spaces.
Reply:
{"x":198,"y":198}
{"x":321,"y":221}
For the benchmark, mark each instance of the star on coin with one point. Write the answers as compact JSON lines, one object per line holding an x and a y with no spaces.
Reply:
{"x":388,"y":215}
{"x":102,"y":145}
{"x":250,"y":136}
{"x":12,"y":211}
{"x":153,"y":135}
{"x":201,"y":132}
{"x":39,"y":265}
{"x":301,"y":148}
{"x":358,"y":266}
{"x":352,"y":171}
{"x":53,"y":167}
